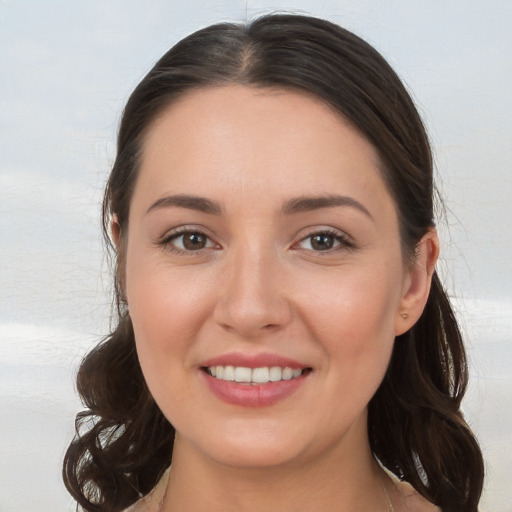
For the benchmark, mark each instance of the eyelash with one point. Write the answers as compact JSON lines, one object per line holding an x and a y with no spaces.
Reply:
{"x":343,"y":241}
{"x":167,"y":241}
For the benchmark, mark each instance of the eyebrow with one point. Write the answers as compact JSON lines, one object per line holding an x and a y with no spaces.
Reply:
{"x":199,"y":204}
{"x":295,"y":205}
{"x":306,"y":204}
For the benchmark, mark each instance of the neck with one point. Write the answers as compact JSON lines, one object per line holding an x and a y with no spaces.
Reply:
{"x":345,"y":478}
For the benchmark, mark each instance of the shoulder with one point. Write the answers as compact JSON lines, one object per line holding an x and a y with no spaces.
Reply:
{"x":152,"y":502}
{"x":406,"y":498}
{"x":410,"y":500}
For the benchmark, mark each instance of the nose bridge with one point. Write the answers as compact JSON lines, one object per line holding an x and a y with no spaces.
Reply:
{"x":253,"y":299}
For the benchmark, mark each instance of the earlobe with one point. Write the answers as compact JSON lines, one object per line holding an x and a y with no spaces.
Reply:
{"x":115,"y":230}
{"x":417,"y":283}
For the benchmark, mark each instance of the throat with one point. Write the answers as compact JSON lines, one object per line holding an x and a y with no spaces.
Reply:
{"x":285,"y":488}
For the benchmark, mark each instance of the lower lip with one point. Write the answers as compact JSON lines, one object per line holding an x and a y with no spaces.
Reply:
{"x":253,"y":395}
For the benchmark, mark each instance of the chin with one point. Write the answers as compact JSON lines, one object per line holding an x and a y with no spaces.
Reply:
{"x":261,"y":444}
{"x":255,"y":456}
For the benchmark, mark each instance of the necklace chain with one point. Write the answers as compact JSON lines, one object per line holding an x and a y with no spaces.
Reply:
{"x":391,"y":508}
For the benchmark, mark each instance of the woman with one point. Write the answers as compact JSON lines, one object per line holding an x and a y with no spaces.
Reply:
{"x":282,"y":336}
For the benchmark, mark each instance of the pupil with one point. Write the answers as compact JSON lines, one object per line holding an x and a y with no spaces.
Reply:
{"x":194,"y":241}
{"x":322,"y":242}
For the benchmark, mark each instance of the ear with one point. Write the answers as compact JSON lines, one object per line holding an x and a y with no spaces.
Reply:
{"x":115,"y":233}
{"x":115,"y":230}
{"x":417,"y":282}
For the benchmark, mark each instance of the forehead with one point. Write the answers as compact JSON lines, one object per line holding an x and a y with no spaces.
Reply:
{"x":242,"y":140}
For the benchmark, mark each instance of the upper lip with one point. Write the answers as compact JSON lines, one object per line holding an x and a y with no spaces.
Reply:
{"x":253,"y":361}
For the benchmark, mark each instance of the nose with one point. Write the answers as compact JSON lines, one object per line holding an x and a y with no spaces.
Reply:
{"x":253,"y":301}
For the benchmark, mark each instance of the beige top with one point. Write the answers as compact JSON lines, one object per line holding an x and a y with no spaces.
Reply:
{"x":152,"y":502}
{"x":413,"y":501}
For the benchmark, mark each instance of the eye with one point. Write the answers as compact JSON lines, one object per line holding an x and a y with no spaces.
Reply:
{"x":325,"y":240}
{"x":187,"y":241}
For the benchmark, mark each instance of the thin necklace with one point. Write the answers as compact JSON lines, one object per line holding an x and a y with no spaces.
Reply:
{"x":391,"y":508}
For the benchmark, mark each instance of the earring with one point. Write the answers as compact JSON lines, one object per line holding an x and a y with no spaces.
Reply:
{"x":405,"y":316}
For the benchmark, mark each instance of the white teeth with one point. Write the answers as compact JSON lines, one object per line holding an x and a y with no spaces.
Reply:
{"x":229,"y":373}
{"x":261,"y":375}
{"x":287,"y":373}
{"x":242,"y":374}
{"x":275,"y":374}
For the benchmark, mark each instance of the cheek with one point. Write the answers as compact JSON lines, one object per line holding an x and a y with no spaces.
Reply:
{"x":354,"y":300}
{"x":353,"y":317}
{"x":165,"y":319}
{"x":162,"y":301}
{"x":167,"y":311}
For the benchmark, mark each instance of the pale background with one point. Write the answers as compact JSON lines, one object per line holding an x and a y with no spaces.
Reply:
{"x":66,"y":70}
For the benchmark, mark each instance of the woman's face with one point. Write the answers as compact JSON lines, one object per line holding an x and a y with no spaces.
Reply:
{"x":263,"y":246}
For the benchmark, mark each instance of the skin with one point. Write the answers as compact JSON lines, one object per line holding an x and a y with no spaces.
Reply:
{"x":259,"y":285}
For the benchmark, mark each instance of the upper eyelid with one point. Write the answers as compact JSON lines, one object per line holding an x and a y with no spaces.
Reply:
{"x":180,"y":230}
{"x":314,"y":230}
{"x":346,"y":240}
{"x":306,"y":233}
{"x":178,"y":234}
{"x":167,"y":241}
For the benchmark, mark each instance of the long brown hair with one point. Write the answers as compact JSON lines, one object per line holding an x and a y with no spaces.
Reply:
{"x":123,"y":442}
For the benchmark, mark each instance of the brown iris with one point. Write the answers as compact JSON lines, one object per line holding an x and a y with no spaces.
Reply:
{"x":322,"y":242}
{"x":194,"y":241}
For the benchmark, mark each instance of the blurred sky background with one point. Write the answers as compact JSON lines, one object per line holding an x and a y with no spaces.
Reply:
{"x":66,"y":69}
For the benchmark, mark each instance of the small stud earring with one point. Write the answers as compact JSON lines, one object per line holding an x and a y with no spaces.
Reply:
{"x":405,"y":316}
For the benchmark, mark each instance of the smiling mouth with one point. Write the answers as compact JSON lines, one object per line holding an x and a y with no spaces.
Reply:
{"x":254,"y":376}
